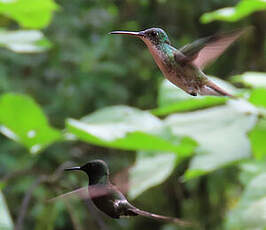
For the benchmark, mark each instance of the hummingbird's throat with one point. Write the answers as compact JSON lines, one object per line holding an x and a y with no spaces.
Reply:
{"x":98,"y":179}
{"x":156,"y":52}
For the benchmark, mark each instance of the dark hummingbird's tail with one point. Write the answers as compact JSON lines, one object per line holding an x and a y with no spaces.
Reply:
{"x":161,"y":218}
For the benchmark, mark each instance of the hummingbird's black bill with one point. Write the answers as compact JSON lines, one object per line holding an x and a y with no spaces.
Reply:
{"x":139,"y":34}
{"x":73,"y":168}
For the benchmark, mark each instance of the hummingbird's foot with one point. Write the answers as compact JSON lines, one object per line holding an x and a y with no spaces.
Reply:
{"x":194,"y":94}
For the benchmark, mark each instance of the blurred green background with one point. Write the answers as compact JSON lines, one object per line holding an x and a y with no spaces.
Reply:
{"x":70,"y":93}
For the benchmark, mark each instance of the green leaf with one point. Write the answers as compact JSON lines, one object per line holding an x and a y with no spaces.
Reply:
{"x":251,"y":208}
{"x":257,"y":97}
{"x":257,"y":139}
{"x":171,"y":94}
{"x":47,"y":216}
{"x":172,"y":99}
{"x":34,"y":14}
{"x":150,"y":169}
{"x":22,"y":120}
{"x":24,"y":41}
{"x":190,"y":104}
{"x":233,"y":14}
{"x":250,"y":169}
{"x":251,"y":79}
{"x":6,"y":222}
{"x":128,"y":128}
{"x":220,"y":133}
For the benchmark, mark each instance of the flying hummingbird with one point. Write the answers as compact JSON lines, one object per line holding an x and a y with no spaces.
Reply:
{"x":108,"y":199}
{"x":184,"y":67}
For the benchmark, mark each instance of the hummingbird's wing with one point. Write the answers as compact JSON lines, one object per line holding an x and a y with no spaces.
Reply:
{"x":121,"y":180}
{"x":160,"y":218}
{"x":205,"y":50}
{"x":77,"y":193}
{"x":83,"y":193}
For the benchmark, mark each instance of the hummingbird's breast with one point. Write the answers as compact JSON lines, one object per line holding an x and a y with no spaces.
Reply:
{"x":161,"y":57}
{"x":108,"y":200}
{"x":189,"y":78}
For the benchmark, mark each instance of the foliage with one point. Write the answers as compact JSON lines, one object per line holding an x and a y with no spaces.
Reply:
{"x":199,"y":158}
{"x":23,"y":121}
{"x":222,"y":138}
{"x":232,"y":14}
{"x":29,"y":13}
{"x":250,"y":210}
{"x":24,"y":41}
{"x":5,"y":219}
{"x":251,"y":79}
{"x":127,"y":128}
{"x":257,"y":137}
{"x":150,"y":169}
{"x":170,"y":100}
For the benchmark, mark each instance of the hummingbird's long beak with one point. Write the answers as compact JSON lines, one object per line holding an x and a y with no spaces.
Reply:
{"x":138,"y":34}
{"x":73,"y":168}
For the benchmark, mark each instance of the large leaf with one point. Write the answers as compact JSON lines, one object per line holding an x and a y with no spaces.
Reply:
{"x":24,"y":41}
{"x":258,"y":96}
{"x":256,"y":80}
{"x":220,"y":132}
{"x":29,"y":13}
{"x":6,"y":222}
{"x":47,"y":216}
{"x":257,"y":138}
{"x":150,"y":169}
{"x":250,"y":211}
{"x":22,"y":120}
{"x":128,"y":128}
{"x":232,"y":14}
{"x":251,"y":79}
{"x":250,"y":169}
{"x":172,"y":99}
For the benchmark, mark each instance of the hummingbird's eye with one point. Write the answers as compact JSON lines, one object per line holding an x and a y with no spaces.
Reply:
{"x":153,"y":33}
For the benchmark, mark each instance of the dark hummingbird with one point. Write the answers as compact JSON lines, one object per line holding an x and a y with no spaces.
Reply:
{"x":108,"y":199}
{"x":184,"y":67}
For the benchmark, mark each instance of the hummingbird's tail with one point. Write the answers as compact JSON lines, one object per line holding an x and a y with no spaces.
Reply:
{"x":161,"y":218}
{"x":211,"y":88}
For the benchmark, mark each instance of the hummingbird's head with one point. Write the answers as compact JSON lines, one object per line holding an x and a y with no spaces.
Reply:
{"x":154,"y":36}
{"x":97,"y":171}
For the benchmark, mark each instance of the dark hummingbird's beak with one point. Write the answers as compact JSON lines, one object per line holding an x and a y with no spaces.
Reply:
{"x":73,"y":168}
{"x":138,"y":34}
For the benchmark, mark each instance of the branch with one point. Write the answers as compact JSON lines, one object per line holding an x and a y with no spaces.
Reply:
{"x":27,"y":198}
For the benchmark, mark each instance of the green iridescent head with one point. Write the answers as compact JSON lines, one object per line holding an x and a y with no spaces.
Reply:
{"x":154,"y":35}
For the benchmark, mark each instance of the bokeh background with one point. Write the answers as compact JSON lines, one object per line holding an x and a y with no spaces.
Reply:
{"x":69,"y":93}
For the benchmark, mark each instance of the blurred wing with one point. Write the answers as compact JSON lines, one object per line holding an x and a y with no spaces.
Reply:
{"x":206,"y":50}
{"x":121,"y":180}
{"x":83,"y":193}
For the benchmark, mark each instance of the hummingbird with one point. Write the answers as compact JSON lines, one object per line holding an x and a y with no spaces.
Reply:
{"x":183,"y":67}
{"x":108,"y":199}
